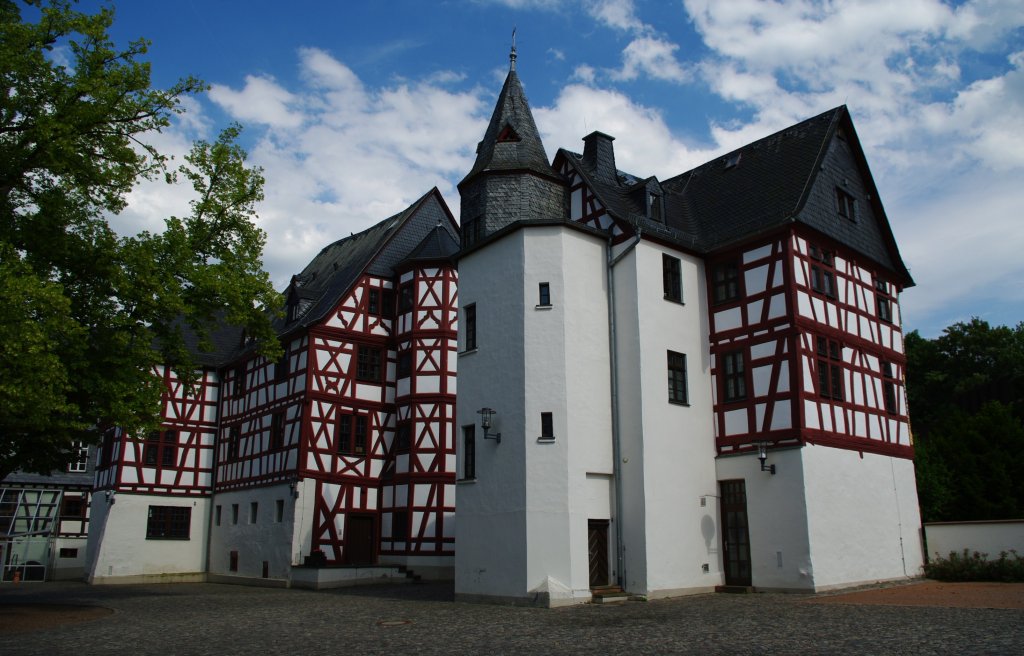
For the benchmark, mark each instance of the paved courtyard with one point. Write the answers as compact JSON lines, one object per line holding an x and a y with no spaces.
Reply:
{"x":423,"y":619}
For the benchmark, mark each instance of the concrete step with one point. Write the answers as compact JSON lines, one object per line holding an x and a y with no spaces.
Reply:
{"x":735,"y":589}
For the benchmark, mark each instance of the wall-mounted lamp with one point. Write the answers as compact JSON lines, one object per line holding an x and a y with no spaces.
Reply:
{"x":762,"y":455}
{"x":109,"y":494}
{"x":486,"y":414}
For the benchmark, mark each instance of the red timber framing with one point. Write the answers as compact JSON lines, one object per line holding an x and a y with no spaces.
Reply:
{"x":177,"y":459}
{"x":795,"y":324}
{"x":379,"y":444}
{"x":261,"y":419}
{"x":584,"y":205}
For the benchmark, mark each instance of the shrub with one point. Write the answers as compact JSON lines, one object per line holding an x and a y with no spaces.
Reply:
{"x":976,"y":566}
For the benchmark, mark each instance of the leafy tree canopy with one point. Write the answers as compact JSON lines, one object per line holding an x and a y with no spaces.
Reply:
{"x":966,"y":395}
{"x":88,"y":313}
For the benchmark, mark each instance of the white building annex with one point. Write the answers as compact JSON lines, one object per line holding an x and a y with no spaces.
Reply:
{"x":629,"y":347}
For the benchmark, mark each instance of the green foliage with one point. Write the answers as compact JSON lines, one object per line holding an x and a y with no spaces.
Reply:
{"x":967,"y":566}
{"x":966,"y":395}
{"x":89,"y":313}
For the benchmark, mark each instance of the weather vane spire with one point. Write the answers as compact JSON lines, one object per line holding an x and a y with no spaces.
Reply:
{"x":512,"y":54}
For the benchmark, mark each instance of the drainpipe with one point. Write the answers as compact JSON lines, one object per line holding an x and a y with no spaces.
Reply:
{"x":620,"y":559}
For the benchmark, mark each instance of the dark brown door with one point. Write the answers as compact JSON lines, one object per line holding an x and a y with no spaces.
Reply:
{"x":598,"y":538}
{"x":735,"y":536}
{"x":360,"y":540}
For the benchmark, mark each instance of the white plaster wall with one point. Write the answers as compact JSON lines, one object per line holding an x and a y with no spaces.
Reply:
{"x":491,"y":527}
{"x":780,"y":554}
{"x":990,"y":538}
{"x":863,"y":518}
{"x":678,"y":447}
{"x":266,"y":539}
{"x":567,"y":374}
{"x":118,"y":544}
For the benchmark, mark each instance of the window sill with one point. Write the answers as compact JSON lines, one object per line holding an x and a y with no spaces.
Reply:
{"x":685,"y":404}
{"x":466,"y":481}
{"x":677,"y":301}
{"x":545,"y":440}
{"x":467,"y":352}
{"x":543,"y":307}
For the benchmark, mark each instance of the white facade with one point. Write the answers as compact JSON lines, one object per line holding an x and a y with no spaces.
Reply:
{"x":120,"y":552}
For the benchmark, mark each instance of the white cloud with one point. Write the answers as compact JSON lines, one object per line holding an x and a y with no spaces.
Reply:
{"x":262,"y":101}
{"x":619,"y":14}
{"x":653,"y":57}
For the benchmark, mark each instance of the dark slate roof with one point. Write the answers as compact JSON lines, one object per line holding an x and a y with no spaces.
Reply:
{"x":716,"y":205}
{"x":520,"y":149}
{"x":439,"y":244}
{"x":330,"y":275}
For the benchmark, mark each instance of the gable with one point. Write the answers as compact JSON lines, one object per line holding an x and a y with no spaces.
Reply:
{"x":842,"y":203}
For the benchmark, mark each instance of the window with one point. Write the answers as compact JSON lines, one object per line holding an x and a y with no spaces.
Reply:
{"x":240,"y":380}
{"x":402,"y":436}
{"x":404,"y":364}
{"x":672,"y":278}
{"x":279,"y":511}
{"x":151,"y":449}
{"x":547,"y":426}
{"x":846,"y":204}
{"x":281,"y":368}
{"x":234,"y":442}
{"x":373,"y":302}
{"x":472,"y":231}
{"x":368,"y":364}
{"x":726,"y":277}
{"x":216,"y":515}
{"x":67,"y":552}
{"x":72,"y":507}
{"x":677,"y":378}
{"x":234,"y":513}
{"x":655,"y":208}
{"x":830,"y":369}
{"x":169,"y":449}
{"x":734,"y":376}
{"x":79,"y":457}
{"x":544,"y":294}
{"x":883,"y":300}
{"x":823,"y":277}
{"x":254,"y":508}
{"x":277,"y":431}
{"x":406,"y":298}
{"x":351,"y":434}
{"x":400,"y":525}
{"x":470,"y":326}
{"x":387,"y":304}
{"x":233,"y":561}
{"x":168,"y":523}
{"x":889,"y":388}
{"x":469,"y":452}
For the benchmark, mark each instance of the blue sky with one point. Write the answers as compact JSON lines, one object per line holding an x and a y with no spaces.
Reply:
{"x":355,"y":109}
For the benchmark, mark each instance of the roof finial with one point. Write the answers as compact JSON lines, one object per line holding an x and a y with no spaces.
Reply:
{"x":512,"y":55}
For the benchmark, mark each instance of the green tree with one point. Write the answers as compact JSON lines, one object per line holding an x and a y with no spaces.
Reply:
{"x":966,"y":395}
{"x":89,"y":313}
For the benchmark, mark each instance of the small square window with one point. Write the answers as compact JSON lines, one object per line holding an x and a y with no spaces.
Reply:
{"x":168,"y":523}
{"x":544,"y":294}
{"x":734,"y":376}
{"x":373,"y":302}
{"x":253,"y":512}
{"x":368,"y":364}
{"x":278,"y":511}
{"x":234,"y":513}
{"x":216,"y":516}
{"x":847,"y":206}
{"x":726,"y":277}
{"x":68,"y":552}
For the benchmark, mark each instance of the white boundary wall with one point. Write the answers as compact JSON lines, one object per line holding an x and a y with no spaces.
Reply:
{"x":987,"y":537}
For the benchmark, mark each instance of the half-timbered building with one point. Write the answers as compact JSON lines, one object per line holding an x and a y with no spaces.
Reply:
{"x":667,"y":386}
{"x":339,"y":453}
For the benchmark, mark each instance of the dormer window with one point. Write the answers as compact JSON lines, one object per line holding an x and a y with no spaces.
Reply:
{"x":655,"y":208}
{"x":507,"y":134}
{"x":847,"y":206}
{"x":733,"y":160}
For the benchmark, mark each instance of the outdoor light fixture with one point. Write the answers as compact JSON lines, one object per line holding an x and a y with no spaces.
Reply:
{"x":762,"y":455}
{"x":486,"y":414}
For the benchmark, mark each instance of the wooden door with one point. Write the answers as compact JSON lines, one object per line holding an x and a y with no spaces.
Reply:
{"x":360,"y":540}
{"x":598,"y":541}
{"x":735,"y":535}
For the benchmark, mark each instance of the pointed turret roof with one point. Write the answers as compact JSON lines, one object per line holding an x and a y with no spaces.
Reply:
{"x":512,"y":142}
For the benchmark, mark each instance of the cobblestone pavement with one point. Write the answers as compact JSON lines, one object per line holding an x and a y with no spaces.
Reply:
{"x":423,"y":619}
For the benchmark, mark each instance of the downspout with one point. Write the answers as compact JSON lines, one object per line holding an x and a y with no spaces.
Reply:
{"x":620,"y":559}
